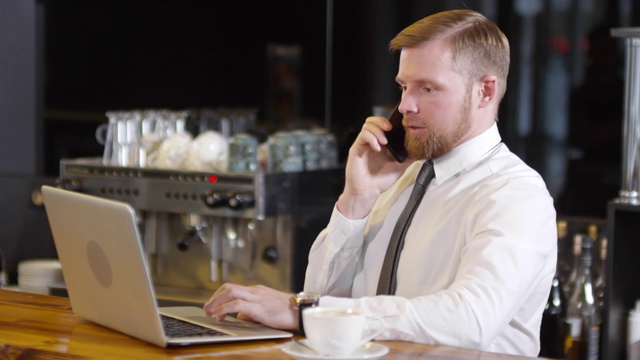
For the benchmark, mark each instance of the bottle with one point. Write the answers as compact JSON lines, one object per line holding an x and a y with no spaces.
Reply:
{"x":553,"y":328}
{"x":565,"y":253}
{"x":583,"y":315}
{"x":575,"y":267}
{"x":594,"y":233}
{"x":601,"y":281}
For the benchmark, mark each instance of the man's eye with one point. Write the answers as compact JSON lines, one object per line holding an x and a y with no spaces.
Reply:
{"x":428,"y":89}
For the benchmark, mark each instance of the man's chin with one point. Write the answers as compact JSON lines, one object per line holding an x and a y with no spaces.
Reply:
{"x":425,"y":153}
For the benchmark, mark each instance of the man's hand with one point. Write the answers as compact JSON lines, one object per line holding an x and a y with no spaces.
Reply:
{"x":257,"y":303}
{"x":370,"y":169}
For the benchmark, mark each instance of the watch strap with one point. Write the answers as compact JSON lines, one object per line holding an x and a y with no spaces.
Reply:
{"x":305,"y":300}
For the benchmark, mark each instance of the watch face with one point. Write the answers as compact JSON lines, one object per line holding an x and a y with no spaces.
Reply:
{"x":307,"y":298}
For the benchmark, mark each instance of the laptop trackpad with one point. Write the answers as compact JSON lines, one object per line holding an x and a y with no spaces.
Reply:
{"x":229,"y":325}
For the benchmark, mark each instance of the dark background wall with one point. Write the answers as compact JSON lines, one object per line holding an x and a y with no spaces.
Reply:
{"x":20,"y":96}
{"x":102,"y":55}
{"x":562,"y":113}
{"x":64,"y":63}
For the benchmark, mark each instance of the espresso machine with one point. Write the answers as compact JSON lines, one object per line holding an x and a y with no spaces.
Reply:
{"x":202,"y":229}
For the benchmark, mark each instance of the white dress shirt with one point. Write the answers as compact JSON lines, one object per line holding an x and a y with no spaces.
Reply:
{"x":478,"y":258}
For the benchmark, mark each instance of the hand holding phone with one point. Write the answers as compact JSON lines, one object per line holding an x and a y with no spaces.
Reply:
{"x":395,"y":136}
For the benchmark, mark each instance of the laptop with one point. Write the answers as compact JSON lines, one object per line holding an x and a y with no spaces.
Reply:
{"x":108,"y":281}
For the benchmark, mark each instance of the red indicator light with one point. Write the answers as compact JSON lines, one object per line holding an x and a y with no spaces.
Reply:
{"x":213,"y":178}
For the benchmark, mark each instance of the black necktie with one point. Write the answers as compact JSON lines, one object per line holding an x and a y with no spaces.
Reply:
{"x":387,"y":282}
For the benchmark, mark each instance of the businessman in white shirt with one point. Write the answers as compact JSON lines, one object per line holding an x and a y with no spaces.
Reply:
{"x":479,"y":255}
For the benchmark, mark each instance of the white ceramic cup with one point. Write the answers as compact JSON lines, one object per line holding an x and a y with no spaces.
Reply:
{"x":334,"y":331}
{"x":172,"y":151}
{"x":207,"y":152}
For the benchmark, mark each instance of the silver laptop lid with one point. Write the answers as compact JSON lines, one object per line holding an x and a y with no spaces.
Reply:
{"x":106,"y":273}
{"x":106,"y":276}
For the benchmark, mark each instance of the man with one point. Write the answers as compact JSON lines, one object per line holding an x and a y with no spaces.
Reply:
{"x":479,"y":256}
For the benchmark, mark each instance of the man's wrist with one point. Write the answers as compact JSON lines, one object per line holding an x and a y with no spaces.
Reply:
{"x":304,"y":300}
{"x":355,"y":208}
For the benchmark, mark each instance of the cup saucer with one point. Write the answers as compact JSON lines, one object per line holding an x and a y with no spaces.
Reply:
{"x":370,"y":350}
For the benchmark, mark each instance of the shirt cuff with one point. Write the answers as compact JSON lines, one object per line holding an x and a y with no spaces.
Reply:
{"x":350,"y":231}
{"x":332,"y":301}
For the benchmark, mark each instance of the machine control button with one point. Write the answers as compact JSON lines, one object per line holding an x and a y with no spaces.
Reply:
{"x":270,"y":254}
{"x":241,"y":200}
{"x":215,"y":199}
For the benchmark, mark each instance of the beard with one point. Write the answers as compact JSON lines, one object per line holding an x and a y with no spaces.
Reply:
{"x":437,"y":143}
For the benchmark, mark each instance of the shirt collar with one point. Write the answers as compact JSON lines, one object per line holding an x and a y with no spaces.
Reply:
{"x":466,"y":154}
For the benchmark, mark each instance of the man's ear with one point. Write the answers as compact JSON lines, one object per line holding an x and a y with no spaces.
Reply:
{"x":488,"y":90}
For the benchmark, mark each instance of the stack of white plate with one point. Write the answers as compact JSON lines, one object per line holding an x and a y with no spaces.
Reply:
{"x":36,"y":275}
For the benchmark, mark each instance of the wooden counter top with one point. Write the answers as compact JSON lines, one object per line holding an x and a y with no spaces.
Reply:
{"x":42,"y":326}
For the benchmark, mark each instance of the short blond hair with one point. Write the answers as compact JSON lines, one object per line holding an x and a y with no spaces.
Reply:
{"x":478,"y":46}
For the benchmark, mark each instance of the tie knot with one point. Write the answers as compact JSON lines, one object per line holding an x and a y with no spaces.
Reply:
{"x":426,"y":174}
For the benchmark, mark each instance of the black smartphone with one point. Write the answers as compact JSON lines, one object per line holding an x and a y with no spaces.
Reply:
{"x":395,"y":136}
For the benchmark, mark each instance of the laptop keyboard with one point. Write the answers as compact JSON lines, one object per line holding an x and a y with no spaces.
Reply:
{"x":175,"y":328}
